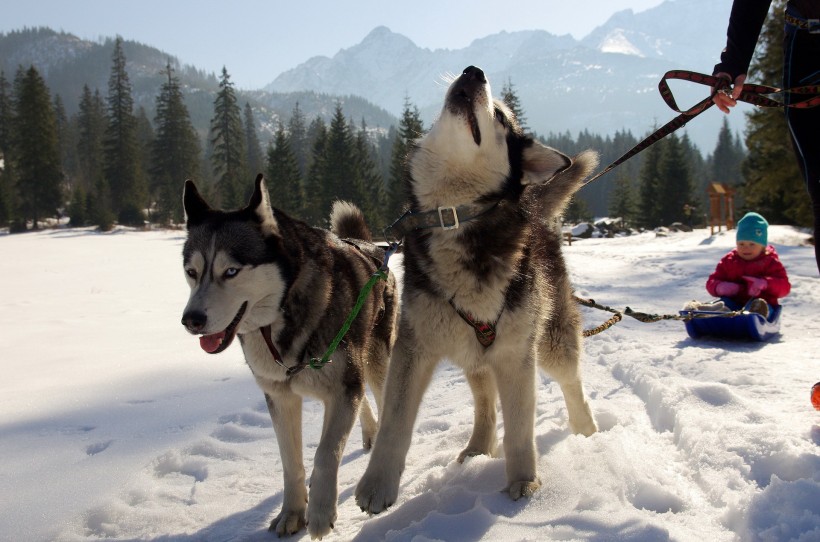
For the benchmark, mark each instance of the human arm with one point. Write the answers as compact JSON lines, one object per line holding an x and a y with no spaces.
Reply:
{"x":720,"y":283}
{"x":755,"y":285}
{"x":777,"y":281}
{"x":745,"y":23}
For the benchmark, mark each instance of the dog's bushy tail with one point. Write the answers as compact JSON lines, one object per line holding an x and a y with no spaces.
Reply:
{"x":347,"y":221}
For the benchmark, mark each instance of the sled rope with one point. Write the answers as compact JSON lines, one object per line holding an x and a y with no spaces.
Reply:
{"x":752,"y":94}
{"x":646,"y":318}
{"x":380,"y":274}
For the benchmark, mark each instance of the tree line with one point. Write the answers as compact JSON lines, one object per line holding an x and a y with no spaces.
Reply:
{"x":110,"y":163}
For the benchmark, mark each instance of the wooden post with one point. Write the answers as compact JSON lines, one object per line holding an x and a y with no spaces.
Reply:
{"x":721,"y":206}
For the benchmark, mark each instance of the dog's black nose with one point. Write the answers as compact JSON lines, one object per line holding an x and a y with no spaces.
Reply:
{"x":194,"y":321}
{"x":475,"y":73}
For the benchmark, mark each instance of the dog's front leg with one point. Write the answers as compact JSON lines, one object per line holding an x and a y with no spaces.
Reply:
{"x":341,"y":408}
{"x":483,"y":439}
{"x":516,"y":387}
{"x":285,"y":409}
{"x":407,"y":378}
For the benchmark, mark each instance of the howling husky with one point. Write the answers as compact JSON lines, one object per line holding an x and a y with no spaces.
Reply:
{"x":485,"y":286}
{"x":285,"y":289}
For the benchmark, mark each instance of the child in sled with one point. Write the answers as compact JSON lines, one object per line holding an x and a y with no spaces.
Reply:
{"x":750,"y":276}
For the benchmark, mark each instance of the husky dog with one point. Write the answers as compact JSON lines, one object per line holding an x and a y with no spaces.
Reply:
{"x":285,"y":289}
{"x":485,"y":287}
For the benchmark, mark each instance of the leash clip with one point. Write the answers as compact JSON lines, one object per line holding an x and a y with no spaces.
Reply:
{"x":813,"y":26}
{"x":451,"y":209}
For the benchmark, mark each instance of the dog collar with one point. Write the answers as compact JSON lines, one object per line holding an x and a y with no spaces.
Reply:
{"x":446,"y":217}
{"x":290,"y":371}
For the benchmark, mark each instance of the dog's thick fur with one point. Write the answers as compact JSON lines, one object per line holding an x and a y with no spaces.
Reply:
{"x":257,"y":267}
{"x":506,"y":266}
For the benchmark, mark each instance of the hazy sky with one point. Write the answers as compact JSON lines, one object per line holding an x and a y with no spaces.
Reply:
{"x":256,"y":40}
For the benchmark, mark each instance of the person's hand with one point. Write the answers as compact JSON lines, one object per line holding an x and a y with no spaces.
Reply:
{"x":755,"y":285}
{"x":727,"y":97}
{"x":727,"y":289}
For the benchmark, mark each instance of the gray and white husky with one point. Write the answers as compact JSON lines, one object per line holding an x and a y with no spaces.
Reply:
{"x":485,"y":286}
{"x":285,"y":289}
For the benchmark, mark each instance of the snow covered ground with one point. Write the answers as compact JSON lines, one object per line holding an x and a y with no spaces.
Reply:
{"x":115,"y":424}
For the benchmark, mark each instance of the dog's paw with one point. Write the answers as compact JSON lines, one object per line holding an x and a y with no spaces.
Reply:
{"x":524,"y":488}
{"x":374,"y":494}
{"x":368,"y":437}
{"x":583,"y":424}
{"x":320,"y":523}
{"x":472,"y":452}
{"x":288,"y":522}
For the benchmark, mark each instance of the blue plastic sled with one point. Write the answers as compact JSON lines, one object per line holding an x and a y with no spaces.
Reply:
{"x":749,"y":326}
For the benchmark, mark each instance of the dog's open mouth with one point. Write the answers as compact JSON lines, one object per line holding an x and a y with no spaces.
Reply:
{"x":461,"y":102}
{"x":218,"y":342}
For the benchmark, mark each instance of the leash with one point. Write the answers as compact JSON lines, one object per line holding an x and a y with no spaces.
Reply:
{"x":644,"y":317}
{"x":751,"y":94}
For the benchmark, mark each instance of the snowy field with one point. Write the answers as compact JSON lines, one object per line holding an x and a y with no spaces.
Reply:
{"x":115,"y":425}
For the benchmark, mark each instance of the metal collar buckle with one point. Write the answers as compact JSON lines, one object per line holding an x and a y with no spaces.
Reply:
{"x":452,"y":210}
{"x":813,"y":26}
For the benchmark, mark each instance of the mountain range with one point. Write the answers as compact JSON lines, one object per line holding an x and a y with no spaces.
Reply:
{"x":603,"y":83}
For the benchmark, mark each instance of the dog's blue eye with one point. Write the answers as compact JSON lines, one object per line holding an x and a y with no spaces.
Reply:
{"x":231,"y":272}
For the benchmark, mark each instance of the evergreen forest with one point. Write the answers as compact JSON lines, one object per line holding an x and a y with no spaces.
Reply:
{"x":111,"y":163}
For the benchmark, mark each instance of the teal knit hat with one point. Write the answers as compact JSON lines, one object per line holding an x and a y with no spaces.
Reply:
{"x":753,"y":227}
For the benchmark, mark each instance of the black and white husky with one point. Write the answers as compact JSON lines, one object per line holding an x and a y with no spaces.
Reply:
{"x":485,"y":286}
{"x":285,"y":289}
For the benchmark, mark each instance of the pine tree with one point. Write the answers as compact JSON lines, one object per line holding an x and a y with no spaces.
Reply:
{"x":727,"y":158}
{"x":254,"y":159}
{"x":410,"y":129}
{"x":577,"y":211}
{"x":649,"y":195}
{"x":36,"y":151}
{"x":315,"y":204}
{"x":510,"y":98}
{"x":94,"y":196}
{"x":5,"y":148}
{"x":66,"y":142}
{"x":675,"y":184}
{"x":298,"y":137}
{"x":369,"y":184}
{"x":123,"y":164}
{"x":145,"y":142}
{"x":175,"y":153}
{"x":622,"y":203}
{"x":283,"y":178}
{"x":774,"y":184}
{"x":339,"y":174}
{"x":228,"y":140}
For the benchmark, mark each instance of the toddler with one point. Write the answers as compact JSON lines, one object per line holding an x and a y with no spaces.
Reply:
{"x":751,"y":276}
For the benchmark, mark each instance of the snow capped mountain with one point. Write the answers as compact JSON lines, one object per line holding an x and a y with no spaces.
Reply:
{"x":603,"y":83}
{"x":689,"y":32}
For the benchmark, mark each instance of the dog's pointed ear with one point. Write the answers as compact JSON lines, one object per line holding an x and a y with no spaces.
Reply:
{"x":195,"y":207}
{"x":259,"y":203}
{"x":542,"y":163}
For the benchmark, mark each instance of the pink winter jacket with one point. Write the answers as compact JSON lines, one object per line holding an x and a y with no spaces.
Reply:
{"x":732,"y":268}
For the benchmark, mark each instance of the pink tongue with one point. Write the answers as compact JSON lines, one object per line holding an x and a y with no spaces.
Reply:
{"x":210,"y":343}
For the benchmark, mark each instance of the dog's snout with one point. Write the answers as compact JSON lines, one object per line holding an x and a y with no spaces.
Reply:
{"x":194,"y":321}
{"x":475,"y":73}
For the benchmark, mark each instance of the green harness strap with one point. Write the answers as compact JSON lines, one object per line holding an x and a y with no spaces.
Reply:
{"x":380,"y":274}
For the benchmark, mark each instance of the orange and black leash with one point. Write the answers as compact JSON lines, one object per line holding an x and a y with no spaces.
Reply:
{"x":752,"y":94}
